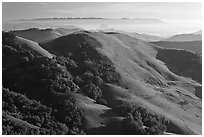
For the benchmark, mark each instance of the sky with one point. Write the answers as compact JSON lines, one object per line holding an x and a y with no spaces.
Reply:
{"x":167,"y":11}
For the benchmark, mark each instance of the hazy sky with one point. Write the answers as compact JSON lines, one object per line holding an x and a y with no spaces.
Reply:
{"x":170,"y":12}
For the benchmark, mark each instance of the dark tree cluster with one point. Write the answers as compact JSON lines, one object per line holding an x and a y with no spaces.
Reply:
{"x":41,"y":79}
{"x":138,"y":120}
{"x":80,"y":52}
{"x":87,"y":77}
{"x":89,"y":68}
{"x":24,"y":116}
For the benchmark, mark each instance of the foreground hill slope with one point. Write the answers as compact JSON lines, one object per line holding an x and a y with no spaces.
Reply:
{"x":97,"y":83}
{"x":144,"y":79}
{"x":36,"y":93}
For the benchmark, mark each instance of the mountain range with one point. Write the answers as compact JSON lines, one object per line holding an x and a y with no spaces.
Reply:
{"x":191,"y":42}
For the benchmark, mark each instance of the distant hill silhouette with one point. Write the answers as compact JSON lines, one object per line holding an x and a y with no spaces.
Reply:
{"x":185,"y":37}
{"x":44,"y":35}
{"x":144,"y":37}
{"x":198,"y":32}
{"x":194,"y":46}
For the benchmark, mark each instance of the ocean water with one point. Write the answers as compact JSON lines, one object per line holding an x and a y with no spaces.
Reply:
{"x":147,"y":27}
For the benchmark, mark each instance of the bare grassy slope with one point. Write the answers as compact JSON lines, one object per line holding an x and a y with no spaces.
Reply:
{"x":99,"y":119}
{"x":34,"y":46}
{"x":145,"y":80}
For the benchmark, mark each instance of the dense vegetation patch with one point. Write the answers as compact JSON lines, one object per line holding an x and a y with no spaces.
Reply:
{"x":24,"y":116}
{"x":139,"y":121}
{"x":49,"y":83}
{"x":41,"y":79}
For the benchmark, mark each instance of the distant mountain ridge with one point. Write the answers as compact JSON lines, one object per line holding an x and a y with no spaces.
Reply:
{"x":198,"y":32}
{"x":196,"y":36}
{"x":190,"y":42}
{"x":97,"y":18}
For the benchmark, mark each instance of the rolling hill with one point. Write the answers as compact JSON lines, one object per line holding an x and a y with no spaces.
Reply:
{"x":198,"y":32}
{"x":151,"y":38}
{"x":144,"y":37}
{"x":146,"y":80}
{"x":197,"y":36}
{"x":44,"y":35}
{"x":115,"y":79}
{"x":194,"y":46}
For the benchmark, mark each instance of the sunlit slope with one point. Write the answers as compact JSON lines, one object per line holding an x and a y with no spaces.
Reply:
{"x":99,"y":119}
{"x":34,"y":46}
{"x":145,"y":80}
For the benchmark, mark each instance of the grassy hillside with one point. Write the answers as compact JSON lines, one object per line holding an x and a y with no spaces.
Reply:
{"x":107,"y":83}
{"x":141,"y":72}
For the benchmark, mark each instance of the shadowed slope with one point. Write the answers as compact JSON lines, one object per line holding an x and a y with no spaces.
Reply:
{"x":194,"y":46}
{"x":185,"y":37}
{"x":183,"y":63}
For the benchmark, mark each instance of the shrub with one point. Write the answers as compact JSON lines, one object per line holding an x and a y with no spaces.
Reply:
{"x":139,"y":119}
{"x":92,"y":91}
{"x":132,"y":127}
